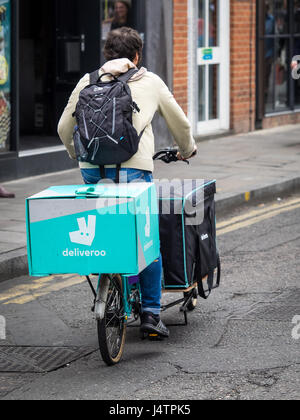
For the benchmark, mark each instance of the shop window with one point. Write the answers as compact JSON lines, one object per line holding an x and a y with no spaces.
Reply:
{"x":5,"y":85}
{"x":116,"y":14}
{"x":278,"y":42}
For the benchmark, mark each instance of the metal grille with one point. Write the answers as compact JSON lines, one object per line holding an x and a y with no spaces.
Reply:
{"x":38,"y":359}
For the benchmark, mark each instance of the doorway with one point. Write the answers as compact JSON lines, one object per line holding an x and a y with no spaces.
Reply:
{"x":59,"y":41}
{"x":212,"y":100}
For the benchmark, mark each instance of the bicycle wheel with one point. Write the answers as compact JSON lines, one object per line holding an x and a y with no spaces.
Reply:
{"x":112,"y":328}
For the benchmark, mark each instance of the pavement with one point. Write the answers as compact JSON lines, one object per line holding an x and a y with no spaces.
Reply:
{"x":251,"y":167}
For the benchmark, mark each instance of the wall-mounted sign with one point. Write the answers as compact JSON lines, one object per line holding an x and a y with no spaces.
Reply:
{"x":207,"y":54}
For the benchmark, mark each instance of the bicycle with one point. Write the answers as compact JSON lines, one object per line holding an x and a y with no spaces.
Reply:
{"x":117,"y":301}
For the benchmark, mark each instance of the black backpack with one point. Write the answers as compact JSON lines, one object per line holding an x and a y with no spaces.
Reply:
{"x":104,"y":134}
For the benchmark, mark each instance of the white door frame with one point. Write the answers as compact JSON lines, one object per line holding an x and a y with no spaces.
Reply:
{"x":220,"y":56}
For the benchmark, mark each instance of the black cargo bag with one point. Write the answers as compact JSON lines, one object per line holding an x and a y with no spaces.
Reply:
{"x":188,"y":235}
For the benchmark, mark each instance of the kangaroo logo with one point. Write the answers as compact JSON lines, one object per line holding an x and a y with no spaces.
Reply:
{"x":86,"y":233}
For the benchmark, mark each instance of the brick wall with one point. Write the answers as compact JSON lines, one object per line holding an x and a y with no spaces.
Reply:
{"x":180,"y":42}
{"x":276,"y":121}
{"x":243,"y":65}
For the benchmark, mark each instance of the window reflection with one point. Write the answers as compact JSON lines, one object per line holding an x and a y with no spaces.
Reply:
{"x":277,"y":76}
{"x":281,"y":74}
{"x":201,"y":105}
{"x":201,"y":25}
{"x":213,"y":13}
{"x":212,"y":40}
{"x":213,"y":91}
{"x":116,"y":14}
{"x":281,"y":16}
{"x":297,"y":16}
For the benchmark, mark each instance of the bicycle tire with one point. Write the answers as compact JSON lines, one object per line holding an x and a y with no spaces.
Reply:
{"x":114,"y":319}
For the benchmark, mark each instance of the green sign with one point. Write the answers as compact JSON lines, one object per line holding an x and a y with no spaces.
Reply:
{"x":207,"y":53}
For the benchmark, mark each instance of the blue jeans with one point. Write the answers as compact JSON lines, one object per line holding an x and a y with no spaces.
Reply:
{"x":151,"y":277}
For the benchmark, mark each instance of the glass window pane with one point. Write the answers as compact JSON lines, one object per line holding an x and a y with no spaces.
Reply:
{"x":296,"y":83}
{"x":281,"y":16}
{"x":213,"y":91}
{"x":297,"y":17}
{"x":282,"y":74}
{"x":115,"y":15}
{"x":213,"y":23}
{"x":277,"y":73}
{"x":297,"y":93}
{"x":201,"y":103}
{"x":269,"y":18}
{"x":201,"y":24}
{"x":269,"y":75}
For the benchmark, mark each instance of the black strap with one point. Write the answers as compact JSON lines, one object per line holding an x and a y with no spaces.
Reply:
{"x":118,"y":173}
{"x":103,"y":174}
{"x":102,"y":171}
{"x":206,"y":293}
{"x":141,"y":134}
{"x":94,"y":77}
{"x":125,"y":77}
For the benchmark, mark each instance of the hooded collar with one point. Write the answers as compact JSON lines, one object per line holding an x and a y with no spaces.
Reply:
{"x":121,"y":66}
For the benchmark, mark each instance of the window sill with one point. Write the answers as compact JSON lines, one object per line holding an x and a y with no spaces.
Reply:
{"x":278,"y":113}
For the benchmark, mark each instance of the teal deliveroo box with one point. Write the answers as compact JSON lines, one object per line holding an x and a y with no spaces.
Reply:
{"x":104,"y":228}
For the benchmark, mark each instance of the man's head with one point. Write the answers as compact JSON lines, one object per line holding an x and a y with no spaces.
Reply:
{"x":123,"y":43}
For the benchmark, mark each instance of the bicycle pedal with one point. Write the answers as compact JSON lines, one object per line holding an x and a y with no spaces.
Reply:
{"x":155,"y":337}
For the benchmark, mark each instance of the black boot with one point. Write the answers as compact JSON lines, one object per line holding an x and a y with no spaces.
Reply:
{"x":152,"y":324}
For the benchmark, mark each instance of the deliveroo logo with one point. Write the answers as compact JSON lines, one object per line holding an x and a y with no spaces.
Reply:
{"x":86,"y":233}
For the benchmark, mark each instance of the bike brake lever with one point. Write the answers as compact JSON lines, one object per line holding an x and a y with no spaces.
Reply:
{"x":186,"y":161}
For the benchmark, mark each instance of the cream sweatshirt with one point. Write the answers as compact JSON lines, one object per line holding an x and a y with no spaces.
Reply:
{"x":151,"y":95}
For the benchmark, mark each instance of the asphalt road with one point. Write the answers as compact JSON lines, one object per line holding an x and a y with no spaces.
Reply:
{"x":240,"y":344}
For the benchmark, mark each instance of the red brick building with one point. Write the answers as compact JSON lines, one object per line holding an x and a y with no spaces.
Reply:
{"x":260,"y":38}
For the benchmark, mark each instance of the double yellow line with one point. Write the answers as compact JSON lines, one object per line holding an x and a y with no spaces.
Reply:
{"x":256,"y":216}
{"x":39,"y":287}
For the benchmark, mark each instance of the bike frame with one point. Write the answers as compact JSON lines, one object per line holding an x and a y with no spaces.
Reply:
{"x":132,"y":299}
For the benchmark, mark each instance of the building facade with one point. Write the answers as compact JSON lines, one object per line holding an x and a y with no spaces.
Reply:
{"x":228,"y":62}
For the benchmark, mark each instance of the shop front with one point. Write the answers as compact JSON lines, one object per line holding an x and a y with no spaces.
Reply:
{"x":45,"y":48}
{"x":278,"y":46}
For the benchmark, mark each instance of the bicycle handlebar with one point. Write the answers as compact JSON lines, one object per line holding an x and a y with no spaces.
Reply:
{"x":169,"y":155}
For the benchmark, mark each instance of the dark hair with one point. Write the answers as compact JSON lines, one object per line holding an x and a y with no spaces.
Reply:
{"x":123,"y":43}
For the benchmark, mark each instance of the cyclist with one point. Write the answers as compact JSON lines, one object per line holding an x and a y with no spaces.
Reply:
{"x":123,"y":51}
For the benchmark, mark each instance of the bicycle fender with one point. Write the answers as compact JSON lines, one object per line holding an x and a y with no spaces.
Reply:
{"x":101,"y":298}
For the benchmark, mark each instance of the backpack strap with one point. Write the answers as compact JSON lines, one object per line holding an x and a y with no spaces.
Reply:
{"x":103,"y":174}
{"x":128,"y":75}
{"x":94,"y":77}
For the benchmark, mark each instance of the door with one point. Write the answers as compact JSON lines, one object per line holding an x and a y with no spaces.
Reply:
{"x":77,"y":45}
{"x":212,"y":71}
